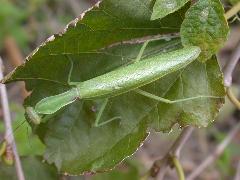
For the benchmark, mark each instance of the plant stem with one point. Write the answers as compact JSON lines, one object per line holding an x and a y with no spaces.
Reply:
{"x":181,"y":140}
{"x":178,"y":168}
{"x":9,"y":138}
{"x":234,"y":10}
{"x":232,"y":98}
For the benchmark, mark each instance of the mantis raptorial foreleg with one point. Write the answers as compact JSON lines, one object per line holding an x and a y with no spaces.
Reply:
{"x":99,"y":115}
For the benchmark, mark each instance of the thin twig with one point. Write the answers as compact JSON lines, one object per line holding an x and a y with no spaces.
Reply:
{"x":229,"y":68}
{"x":181,"y":140}
{"x":232,"y":98}
{"x":9,"y":138}
{"x":178,"y":168}
{"x":174,"y":151}
{"x":214,"y":155}
{"x":234,"y":10}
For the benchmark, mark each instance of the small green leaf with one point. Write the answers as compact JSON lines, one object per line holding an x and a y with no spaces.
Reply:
{"x":162,"y":8}
{"x":205,"y":26}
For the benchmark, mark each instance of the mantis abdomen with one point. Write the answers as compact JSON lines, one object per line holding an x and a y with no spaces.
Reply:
{"x":137,"y":74}
{"x":121,"y":80}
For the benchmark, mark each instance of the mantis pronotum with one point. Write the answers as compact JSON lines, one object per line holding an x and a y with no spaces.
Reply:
{"x":119,"y":81}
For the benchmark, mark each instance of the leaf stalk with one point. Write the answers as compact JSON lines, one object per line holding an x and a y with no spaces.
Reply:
{"x":234,"y":10}
{"x":178,"y":168}
{"x":233,"y":98}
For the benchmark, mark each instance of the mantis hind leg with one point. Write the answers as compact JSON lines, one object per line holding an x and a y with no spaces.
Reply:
{"x":97,"y":122}
{"x":160,"y":99}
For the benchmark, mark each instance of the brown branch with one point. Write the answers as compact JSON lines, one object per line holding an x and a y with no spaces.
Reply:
{"x":9,"y":138}
{"x":13,"y":52}
{"x":174,"y":151}
{"x":15,"y":57}
{"x":215,"y":154}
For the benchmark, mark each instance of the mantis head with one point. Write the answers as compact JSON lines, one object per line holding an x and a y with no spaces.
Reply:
{"x":52,"y":104}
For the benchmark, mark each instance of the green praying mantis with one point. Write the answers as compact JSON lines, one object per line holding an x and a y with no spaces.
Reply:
{"x":119,"y":81}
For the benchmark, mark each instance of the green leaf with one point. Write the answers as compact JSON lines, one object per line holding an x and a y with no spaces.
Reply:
{"x":205,"y":26}
{"x":105,"y":39}
{"x":162,"y":8}
{"x":196,"y":79}
{"x":33,"y":168}
{"x":75,"y":146}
